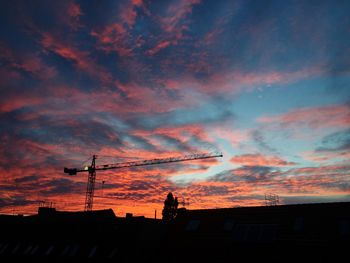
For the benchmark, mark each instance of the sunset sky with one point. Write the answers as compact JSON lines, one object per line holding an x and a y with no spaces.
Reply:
{"x":267,"y":83}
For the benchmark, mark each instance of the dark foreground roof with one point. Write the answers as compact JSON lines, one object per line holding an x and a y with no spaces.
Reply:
{"x":289,"y":233}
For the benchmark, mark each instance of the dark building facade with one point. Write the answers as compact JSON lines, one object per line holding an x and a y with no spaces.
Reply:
{"x":288,"y":233}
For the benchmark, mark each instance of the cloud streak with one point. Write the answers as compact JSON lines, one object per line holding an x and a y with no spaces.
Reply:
{"x":143,"y":79}
{"x":313,"y":118}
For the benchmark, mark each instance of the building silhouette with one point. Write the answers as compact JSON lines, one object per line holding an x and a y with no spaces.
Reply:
{"x":285,"y":233}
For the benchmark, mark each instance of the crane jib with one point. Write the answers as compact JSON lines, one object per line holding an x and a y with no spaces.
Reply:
{"x":150,"y":162}
{"x":74,"y":171}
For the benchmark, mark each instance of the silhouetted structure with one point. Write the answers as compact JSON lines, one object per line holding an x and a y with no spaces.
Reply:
{"x":170,"y":208}
{"x":271,"y":199}
{"x":284,"y":233}
{"x":90,"y":187}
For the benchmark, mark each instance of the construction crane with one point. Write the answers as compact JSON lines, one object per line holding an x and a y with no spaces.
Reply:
{"x":90,"y":188}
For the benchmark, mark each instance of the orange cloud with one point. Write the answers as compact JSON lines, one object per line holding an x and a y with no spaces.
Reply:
{"x":30,"y":63}
{"x":260,"y":160}
{"x":161,"y":45}
{"x":315,"y":118}
{"x":228,"y":81}
{"x":35,"y":65}
{"x":326,"y":156}
{"x":74,"y":10}
{"x":74,"y":13}
{"x":80,"y":58}
{"x":113,"y":38}
{"x":176,"y":14}
{"x":128,"y":13}
{"x":20,"y":102}
{"x":174,"y":23}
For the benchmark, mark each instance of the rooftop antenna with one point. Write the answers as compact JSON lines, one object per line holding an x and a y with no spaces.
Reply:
{"x":184,"y":203}
{"x":271,"y":199}
{"x":47,"y":204}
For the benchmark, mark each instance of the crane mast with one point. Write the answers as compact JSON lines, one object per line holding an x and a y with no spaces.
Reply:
{"x":90,"y":188}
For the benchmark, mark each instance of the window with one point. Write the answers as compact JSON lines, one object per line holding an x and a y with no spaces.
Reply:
{"x":14,"y":250}
{"x":3,"y":248}
{"x":252,"y":233}
{"x":34,"y":250}
{"x":65,"y":251}
{"x":27,"y":250}
{"x":74,"y":250}
{"x":192,"y":225}
{"x":228,"y":224}
{"x":268,"y":233}
{"x":344,"y":227}
{"x":92,"y":251}
{"x":299,"y":224}
{"x":240,"y":232}
{"x":49,"y":250}
{"x":260,"y":233}
{"x":113,"y":253}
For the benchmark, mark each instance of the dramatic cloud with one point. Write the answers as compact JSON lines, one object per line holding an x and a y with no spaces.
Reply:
{"x":265,"y":83}
{"x":79,"y":58}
